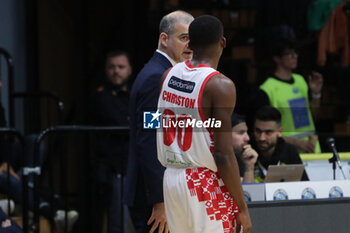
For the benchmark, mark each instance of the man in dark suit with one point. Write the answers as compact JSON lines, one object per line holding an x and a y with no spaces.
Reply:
{"x":144,"y":177}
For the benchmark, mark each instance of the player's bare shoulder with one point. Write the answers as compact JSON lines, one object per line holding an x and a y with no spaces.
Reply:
{"x":221,"y":90}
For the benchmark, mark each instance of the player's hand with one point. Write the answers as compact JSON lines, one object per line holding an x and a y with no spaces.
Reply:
{"x":244,"y":223}
{"x":249,"y":156}
{"x":305,"y":146}
{"x":315,"y":82}
{"x":158,"y":218}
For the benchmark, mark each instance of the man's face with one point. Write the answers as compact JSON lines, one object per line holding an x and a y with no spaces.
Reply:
{"x":118,"y":70}
{"x":288,"y":60}
{"x":240,"y":137}
{"x":266,"y":134}
{"x":177,"y":43}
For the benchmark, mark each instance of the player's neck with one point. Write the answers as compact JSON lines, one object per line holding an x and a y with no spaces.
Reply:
{"x":205,"y":60}
{"x":283,"y":74}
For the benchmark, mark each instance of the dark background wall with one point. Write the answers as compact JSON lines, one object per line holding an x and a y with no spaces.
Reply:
{"x":59,"y":46}
{"x":13,"y":39}
{"x":73,"y":38}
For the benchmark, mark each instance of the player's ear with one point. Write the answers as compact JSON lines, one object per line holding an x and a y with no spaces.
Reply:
{"x":163,"y":39}
{"x":223,"y":42}
{"x":280,"y":131}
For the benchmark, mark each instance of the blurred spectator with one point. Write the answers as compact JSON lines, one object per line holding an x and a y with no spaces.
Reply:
{"x":289,"y":93}
{"x":109,"y":107}
{"x":334,"y":51}
{"x":268,"y":141}
{"x":334,"y":38}
{"x":245,"y":154}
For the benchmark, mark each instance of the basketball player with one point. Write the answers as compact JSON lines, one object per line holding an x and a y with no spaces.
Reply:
{"x":202,"y":188}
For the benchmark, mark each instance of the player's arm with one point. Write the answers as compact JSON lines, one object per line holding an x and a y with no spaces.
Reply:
{"x":158,"y":216}
{"x":222,"y":96}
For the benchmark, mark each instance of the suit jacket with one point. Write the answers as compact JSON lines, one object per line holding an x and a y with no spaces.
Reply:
{"x":143,"y":162}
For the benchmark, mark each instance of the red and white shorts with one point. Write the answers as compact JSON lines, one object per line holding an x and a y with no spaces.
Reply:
{"x":196,"y":200}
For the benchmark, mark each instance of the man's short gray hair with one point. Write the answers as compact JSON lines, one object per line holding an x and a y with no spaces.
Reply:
{"x":167,"y":23}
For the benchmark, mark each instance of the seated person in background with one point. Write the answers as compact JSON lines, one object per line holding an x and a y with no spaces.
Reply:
{"x":14,"y":191}
{"x":289,"y":93}
{"x":271,"y":147}
{"x":11,"y":185}
{"x":245,"y":154}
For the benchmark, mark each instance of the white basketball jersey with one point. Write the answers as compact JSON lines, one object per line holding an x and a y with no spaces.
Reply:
{"x":185,"y":139}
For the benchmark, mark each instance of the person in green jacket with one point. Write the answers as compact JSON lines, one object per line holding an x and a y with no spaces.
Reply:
{"x":289,"y":93}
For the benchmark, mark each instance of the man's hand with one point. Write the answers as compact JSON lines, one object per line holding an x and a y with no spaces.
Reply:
{"x":249,"y":156}
{"x":305,"y":146}
{"x":6,"y":223}
{"x":243,"y":221}
{"x":159,"y":218}
{"x":315,"y":82}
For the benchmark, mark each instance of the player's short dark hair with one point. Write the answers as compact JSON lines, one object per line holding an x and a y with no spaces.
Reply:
{"x":117,"y":53}
{"x":204,"y":31}
{"x":281,"y":45}
{"x":268,"y":113}
{"x":237,"y":119}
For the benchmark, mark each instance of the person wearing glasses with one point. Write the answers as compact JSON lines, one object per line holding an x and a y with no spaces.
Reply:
{"x":292,"y":96}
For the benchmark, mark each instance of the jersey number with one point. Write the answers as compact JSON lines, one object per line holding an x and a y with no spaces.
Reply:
{"x":184,"y":134}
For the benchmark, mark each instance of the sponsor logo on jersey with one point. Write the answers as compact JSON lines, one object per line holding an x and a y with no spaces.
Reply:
{"x":295,"y":90}
{"x":181,"y":85}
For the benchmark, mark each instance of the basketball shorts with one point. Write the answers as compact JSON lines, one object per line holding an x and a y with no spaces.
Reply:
{"x":196,"y":200}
